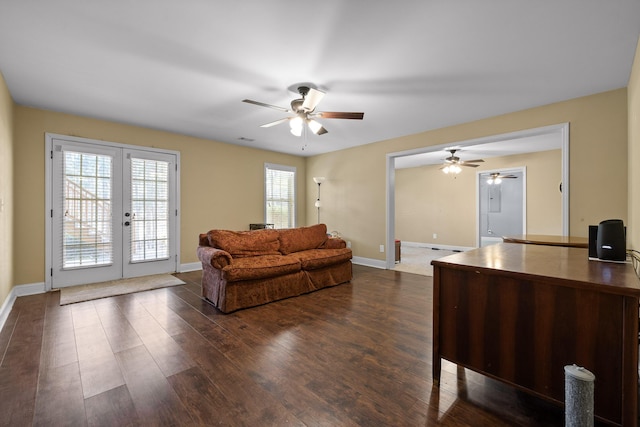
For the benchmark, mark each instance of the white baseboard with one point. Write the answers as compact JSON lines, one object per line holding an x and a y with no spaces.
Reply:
{"x":18,"y":291}
{"x":369,"y":262}
{"x":192,"y":266}
{"x":435,"y":246}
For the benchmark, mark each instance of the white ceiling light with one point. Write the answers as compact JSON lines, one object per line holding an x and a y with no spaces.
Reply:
{"x":314,"y":126}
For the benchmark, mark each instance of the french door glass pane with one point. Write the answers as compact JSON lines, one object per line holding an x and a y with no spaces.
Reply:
{"x":87,"y":234}
{"x":149,"y":216}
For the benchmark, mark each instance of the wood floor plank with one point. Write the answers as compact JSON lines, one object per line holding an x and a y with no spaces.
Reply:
{"x":21,"y":362}
{"x":248,"y":398}
{"x":112,"y":408}
{"x":350,"y":355}
{"x":7,"y":332}
{"x":99,"y":370}
{"x":153,"y":397}
{"x":100,"y":374}
{"x":59,"y":339}
{"x":204,"y":401}
{"x":60,"y":381}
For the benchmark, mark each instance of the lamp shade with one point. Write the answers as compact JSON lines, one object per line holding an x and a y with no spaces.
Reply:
{"x":319,"y":179}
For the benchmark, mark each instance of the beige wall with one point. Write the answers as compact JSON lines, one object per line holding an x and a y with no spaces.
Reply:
{"x":633,"y":226}
{"x":222,"y":185}
{"x":6,"y":191}
{"x":428,"y":201}
{"x":354,"y":200}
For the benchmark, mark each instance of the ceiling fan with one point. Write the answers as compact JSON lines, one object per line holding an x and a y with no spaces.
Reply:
{"x":496,"y":178}
{"x":304,"y":112}
{"x":452,"y":163}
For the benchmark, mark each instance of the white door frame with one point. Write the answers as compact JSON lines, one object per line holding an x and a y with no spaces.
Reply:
{"x":562,"y":128}
{"x":48,"y":146}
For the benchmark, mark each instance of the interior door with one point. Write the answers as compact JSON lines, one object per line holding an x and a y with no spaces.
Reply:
{"x":502,"y":204}
{"x":113,"y":213}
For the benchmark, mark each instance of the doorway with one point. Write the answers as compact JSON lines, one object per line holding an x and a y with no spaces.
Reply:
{"x":501,"y":205}
{"x":559,"y":133}
{"x":113,"y":211}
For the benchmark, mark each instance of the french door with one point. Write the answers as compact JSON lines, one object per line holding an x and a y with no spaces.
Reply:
{"x":113,"y":212}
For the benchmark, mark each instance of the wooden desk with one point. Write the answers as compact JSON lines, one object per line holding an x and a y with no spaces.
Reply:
{"x":541,"y":239}
{"x":520,"y":313}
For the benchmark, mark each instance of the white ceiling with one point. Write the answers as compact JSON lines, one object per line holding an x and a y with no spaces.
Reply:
{"x":411,"y":66}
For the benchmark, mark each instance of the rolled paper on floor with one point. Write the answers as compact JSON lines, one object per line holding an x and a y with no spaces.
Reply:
{"x":579,"y":385}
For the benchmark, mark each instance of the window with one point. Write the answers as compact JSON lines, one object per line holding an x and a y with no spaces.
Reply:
{"x":280,"y":195}
{"x":86,"y":224}
{"x":149,"y":210}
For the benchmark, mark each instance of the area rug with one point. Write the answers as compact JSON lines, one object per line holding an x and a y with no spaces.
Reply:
{"x":112,"y":288}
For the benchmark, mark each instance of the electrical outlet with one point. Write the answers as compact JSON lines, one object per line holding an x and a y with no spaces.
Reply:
{"x":381,"y":248}
{"x":435,"y":235}
{"x":349,"y":244}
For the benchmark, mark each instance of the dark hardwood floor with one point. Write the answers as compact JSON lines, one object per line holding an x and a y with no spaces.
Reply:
{"x":358,"y":354}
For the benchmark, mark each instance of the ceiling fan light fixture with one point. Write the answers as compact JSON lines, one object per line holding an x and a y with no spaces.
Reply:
{"x":296,"y":123}
{"x":314,"y":126}
{"x":304,"y":108}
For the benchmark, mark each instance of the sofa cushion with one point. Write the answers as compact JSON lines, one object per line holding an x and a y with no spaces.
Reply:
{"x":257,"y":267}
{"x":302,"y":238}
{"x":245,"y":243}
{"x":313,"y":259}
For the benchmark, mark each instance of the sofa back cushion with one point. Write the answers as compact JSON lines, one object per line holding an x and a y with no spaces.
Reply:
{"x":302,"y":238}
{"x":245,"y":243}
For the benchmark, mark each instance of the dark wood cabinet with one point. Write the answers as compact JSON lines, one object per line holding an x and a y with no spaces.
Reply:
{"x":520,"y":313}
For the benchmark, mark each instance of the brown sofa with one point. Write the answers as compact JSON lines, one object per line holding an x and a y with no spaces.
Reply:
{"x":243,"y":269}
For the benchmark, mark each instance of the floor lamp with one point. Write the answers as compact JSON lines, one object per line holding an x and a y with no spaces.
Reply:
{"x":318,"y":180}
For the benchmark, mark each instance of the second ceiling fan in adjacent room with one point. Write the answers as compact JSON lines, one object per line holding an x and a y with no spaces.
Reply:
{"x":452,"y":163}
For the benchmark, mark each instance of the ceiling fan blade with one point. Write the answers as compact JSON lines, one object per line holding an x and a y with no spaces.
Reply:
{"x":468,"y":165}
{"x":473,"y":161}
{"x":262,"y":104}
{"x":277,"y":122}
{"x":312,"y":99}
{"x":322,"y":131}
{"x":340,"y":115}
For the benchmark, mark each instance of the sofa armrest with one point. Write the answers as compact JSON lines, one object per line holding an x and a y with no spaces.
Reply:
{"x":334,"y":243}
{"x":216,"y":258}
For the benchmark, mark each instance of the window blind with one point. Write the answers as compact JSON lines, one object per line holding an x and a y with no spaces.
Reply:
{"x":280,"y":195}
{"x":149,"y":210}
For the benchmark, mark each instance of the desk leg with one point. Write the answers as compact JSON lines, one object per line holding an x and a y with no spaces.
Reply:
{"x":630,"y":363}
{"x":436,"y":362}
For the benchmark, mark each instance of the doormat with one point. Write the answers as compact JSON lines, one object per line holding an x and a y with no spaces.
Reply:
{"x":112,"y":288}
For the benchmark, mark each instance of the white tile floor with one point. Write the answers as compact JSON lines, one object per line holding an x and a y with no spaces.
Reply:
{"x":417,"y":260}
